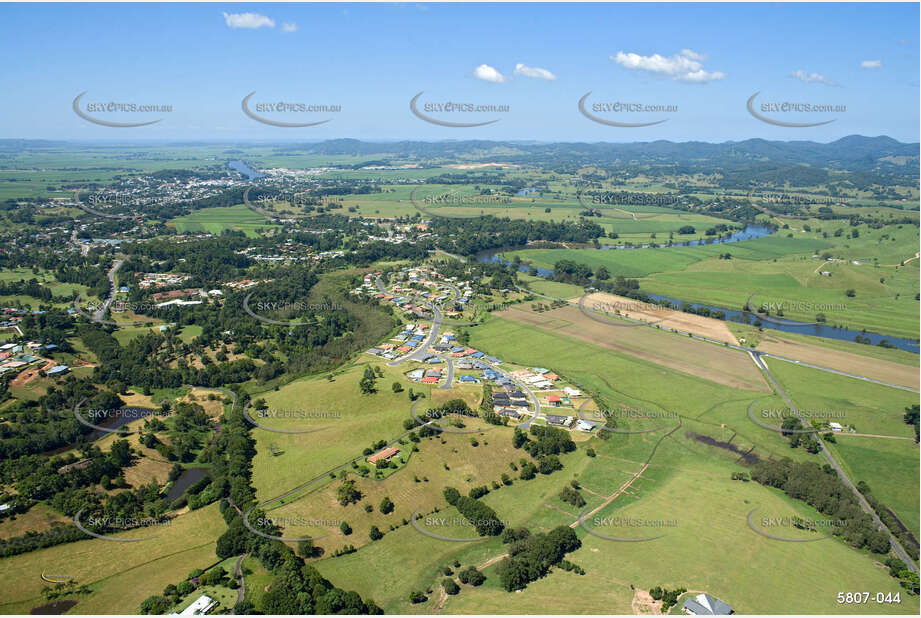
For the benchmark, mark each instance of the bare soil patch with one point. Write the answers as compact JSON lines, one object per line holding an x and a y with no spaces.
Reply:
{"x":886,"y":371}
{"x":666,"y":318}
{"x":703,"y":360}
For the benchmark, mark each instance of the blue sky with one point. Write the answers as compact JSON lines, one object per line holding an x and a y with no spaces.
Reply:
{"x":371,"y":59}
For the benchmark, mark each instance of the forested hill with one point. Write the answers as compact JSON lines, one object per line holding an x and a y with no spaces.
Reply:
{"x":854,"y":152}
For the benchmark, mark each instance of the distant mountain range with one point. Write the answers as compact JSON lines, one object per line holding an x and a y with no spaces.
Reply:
{"x":854,"y":153}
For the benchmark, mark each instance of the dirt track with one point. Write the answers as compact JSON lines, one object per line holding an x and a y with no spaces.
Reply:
{"x":709,"y":362}
{"x":666,"y":318}
{"x":28,"y":375}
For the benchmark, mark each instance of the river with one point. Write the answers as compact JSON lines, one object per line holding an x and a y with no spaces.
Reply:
{"x":189,"y":477}
{"x":246,"y":170}
{"x":768,"y":323}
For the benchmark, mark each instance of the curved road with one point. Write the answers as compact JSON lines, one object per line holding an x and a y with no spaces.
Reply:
{"x":422,"y":351}
{"x":101,"y":312}
{"x":449,"y":363}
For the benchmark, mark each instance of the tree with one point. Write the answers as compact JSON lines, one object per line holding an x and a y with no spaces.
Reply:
{"x":155,"y":605}
{"x":450,"y":586}
{"x":602,"y":274}
{"x":348,"y":493}
{"x":367,"y":382}
{"x":417,"y":597}
{"x":306,"y":549}
{"x":471,"y":576}
{"x":397,"y":387}
{"x":451,"y":495}
{"x":386,"y":506}
{"x":375,"y":534}
{"x":345,"y":528}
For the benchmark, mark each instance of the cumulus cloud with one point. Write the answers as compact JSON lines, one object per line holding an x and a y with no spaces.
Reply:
{"x":871,"y":64}
{"x":693,"y":55}
{"x":812,"y":78}
{"x":289,"y":27}
{"x":685,"y":66}
{"x":521,"y":69}
{"x":248,"y":20}
{"x":488,"y":74}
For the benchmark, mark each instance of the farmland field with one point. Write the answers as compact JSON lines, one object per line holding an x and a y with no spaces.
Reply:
{"x":370,"y":335}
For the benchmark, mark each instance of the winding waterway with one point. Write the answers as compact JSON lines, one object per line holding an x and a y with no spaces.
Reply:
{"x":768,"y":323}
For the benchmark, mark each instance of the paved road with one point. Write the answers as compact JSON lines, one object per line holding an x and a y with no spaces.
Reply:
{"x":454,"y":288}
{"x":101,"y":312}
{"x":421,"y":352}
{"x":896,"y":546}
{"x":524,"y":387}
{"x":449,"y":363}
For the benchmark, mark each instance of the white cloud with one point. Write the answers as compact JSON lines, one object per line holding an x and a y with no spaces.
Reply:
{"x":812,"y":78}
{"x":871,"y":64}
{"x":289,"y":27}
{"x":521,"y":69}
{"x":684,"y":66}
{"x":693,"y":55}
{"x":248,"y":20}
{"x":488,"y":74}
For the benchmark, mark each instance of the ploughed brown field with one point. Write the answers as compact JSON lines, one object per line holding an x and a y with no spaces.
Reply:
{"x":666,"y":318}
{"x":711,"y":362}
{"x":877,"y":369}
